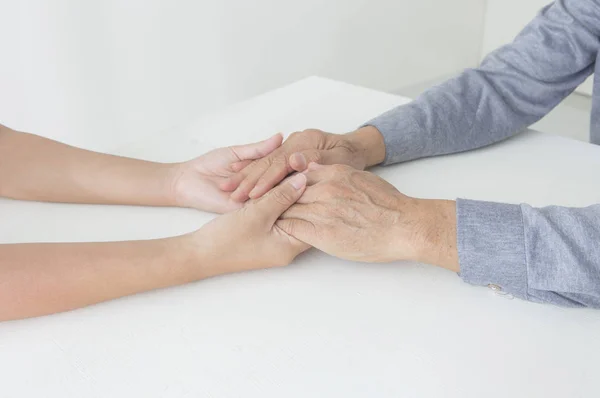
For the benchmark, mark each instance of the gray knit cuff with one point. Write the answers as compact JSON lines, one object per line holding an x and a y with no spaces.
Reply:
{"x":403,"y":137}
{"x":491,"y":245}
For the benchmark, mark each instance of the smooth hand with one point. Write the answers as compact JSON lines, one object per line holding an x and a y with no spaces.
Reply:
{"x":249,"y":238}
{"x":73,"y":275}
{"x":360,"y":149}
{"x":358,"y":216}
{"x":196,"y":183}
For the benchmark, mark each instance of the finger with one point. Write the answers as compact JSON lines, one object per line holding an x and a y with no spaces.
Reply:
{"x":279,"y":199}
{"x":299,"y":161}
{"x":249,"y":179}
{"x":290,"y":176}
{"x":274,"y":174}
{"x":257,"y":150}
{"x":219,"y":203}
{"x":230,"y":184}
{"x":317,"y":173}
{"x":233,"y":182}
{"x":238,"y":166}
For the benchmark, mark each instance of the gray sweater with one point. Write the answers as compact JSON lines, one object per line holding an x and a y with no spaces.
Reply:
{"x":549,"y":254}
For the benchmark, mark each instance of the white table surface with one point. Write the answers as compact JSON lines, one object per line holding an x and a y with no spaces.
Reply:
{"x":321,"y":327}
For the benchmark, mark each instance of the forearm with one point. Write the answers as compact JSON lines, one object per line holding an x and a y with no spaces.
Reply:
{"x":44,"y":278}
{"x":514,"y":87}
{"x":36,"y":168}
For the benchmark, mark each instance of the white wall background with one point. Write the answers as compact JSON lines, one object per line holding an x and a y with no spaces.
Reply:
{"x":76,"y":70}
{"x":504,"y":19}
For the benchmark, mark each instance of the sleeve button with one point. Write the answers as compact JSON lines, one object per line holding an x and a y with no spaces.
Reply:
{"x":495,"y":287}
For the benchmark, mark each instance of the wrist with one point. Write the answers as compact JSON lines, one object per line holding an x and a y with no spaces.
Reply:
{"x":208,"y":252}
{"x":436,"y":234}
{"x":182,"y":259}
{"x":196,"y":256}
{"x":369,"y":144}
{"x":172,"y":175}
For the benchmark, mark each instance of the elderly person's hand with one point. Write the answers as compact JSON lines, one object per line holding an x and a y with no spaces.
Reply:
{"x":360,"y":149}
{"x":358,"y":216}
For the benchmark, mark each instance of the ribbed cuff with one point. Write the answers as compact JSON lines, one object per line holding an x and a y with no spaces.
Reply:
{"x":491,"y":245}
{"x":403,"y":137}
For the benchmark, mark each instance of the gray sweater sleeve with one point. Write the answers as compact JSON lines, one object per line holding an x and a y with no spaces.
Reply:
{"x":547,"y":255}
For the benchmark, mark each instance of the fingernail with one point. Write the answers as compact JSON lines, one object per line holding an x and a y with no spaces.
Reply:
{"x":298,"y":181}
{"x":254,"y":191}
{"x":300,"y":160}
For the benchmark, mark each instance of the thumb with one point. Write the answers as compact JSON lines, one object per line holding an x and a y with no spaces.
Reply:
{"x":280,"y":198}
{"x":302,"y":230}
{"x":299,"y":161}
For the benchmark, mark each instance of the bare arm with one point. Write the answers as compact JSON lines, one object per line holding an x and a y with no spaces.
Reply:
{"x":44,"y":278}
{"x":37,"y":168}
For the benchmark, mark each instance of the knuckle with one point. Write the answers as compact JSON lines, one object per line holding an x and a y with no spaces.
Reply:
{"x":278,"y":161}
{"x":246,"y":184}
{"x":313,"y":156}
{"x":313,"y":133}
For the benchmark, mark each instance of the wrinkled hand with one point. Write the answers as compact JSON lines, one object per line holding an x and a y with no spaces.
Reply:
{"x":248,"y":238}
{"x":358,"y":216}
{"x":295,"y":154}
{"x":196,"y":183}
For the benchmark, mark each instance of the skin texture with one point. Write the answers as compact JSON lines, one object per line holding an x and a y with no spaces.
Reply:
{"x":44,"y":278}
{"x":345,"y":212}
{"x":360,"y":149}
{"x":196,"y":183}
{"x":36,"y":168}
{"x":358,"y":216}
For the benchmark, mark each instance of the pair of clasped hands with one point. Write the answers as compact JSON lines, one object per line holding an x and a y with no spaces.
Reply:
{"x":278,"y":199}
{"x":281,"y":198}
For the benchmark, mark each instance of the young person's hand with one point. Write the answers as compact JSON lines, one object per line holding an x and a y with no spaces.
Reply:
{"x":249,"y":238}
{"x":73,"y":275}
{"x":197,"y":182}
{"x":40,"y":169}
